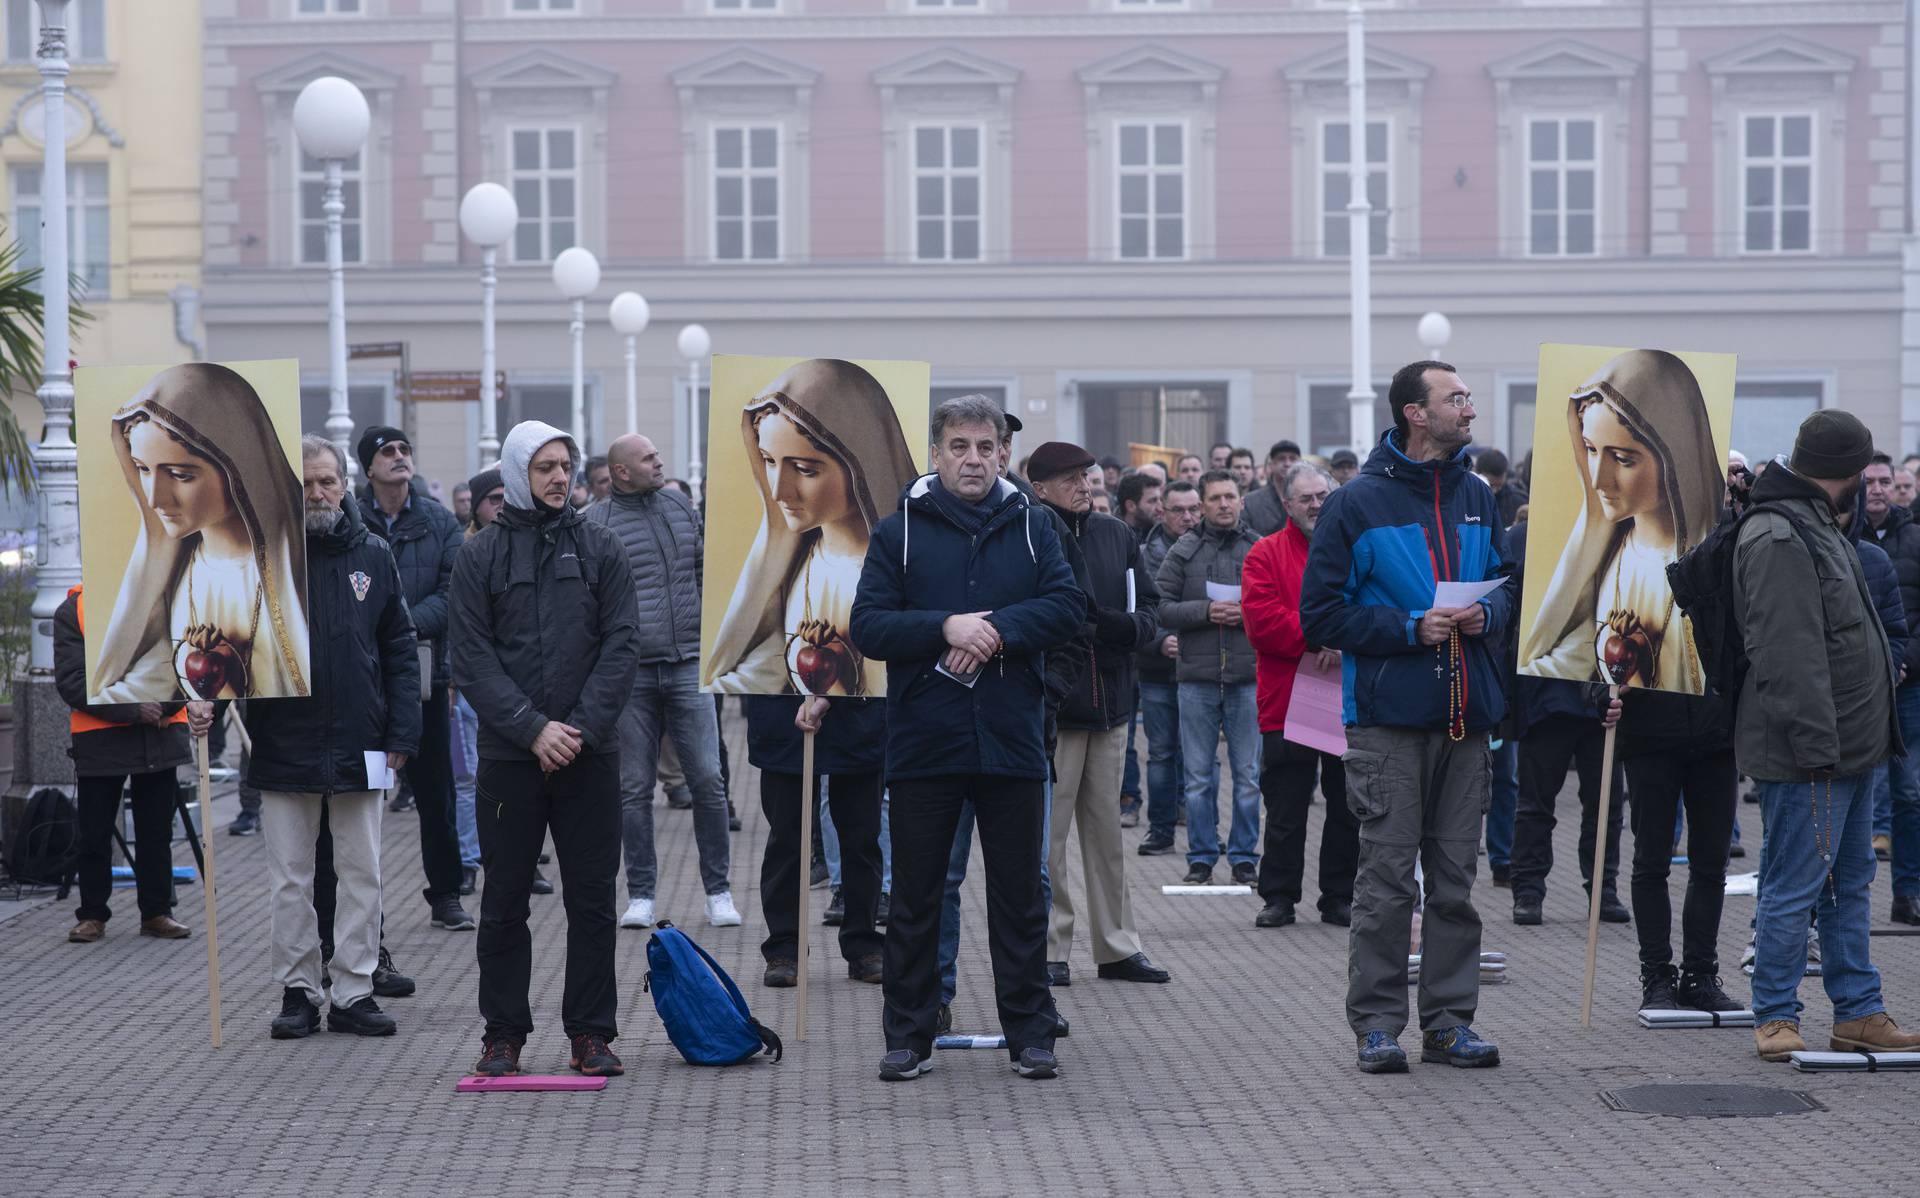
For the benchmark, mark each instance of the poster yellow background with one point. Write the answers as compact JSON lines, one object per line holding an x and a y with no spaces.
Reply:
{"x":1557,"y":493}
{"x":734,"y":505}
{"x":109,"y":514}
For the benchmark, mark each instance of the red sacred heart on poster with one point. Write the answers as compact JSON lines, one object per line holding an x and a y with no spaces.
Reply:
{"x":823,"y":660}
{"x":208,"y":663}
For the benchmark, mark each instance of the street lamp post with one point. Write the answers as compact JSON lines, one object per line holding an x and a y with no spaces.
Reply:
{"x":628,"y":314}
{"x":488,"y":216}
{"x":57,"y":555}
{"x":1434,"y":331}
{"x":1359,"y":234}
{"x":330,"y":118}
{"x":694,"y":345}
{"x":576,"y":272}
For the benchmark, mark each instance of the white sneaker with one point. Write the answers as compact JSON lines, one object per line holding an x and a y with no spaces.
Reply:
{"x":721,"y":912}
{"x":639,"y":914}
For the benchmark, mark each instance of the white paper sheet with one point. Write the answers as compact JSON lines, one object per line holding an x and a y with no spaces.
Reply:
{"x":1743,"y":884}
{"x":1130,"y":594}
{"x":379,"y":777}
{"x":1222,"y":592}
{"x":1862,"y":1062}
{"x":1222,"y":891}
{"x":1451,"y":595}
{"x":952,"y":1042}
{"x":1683,"y":1018}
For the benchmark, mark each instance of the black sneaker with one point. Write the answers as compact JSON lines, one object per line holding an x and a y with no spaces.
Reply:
{"x":943,"y":1020}
{"x":1036,"y":1064}
{"x":498,"y":1058}
{"x":1155,"y":844}
{"x":1336,"y":911}
{"x":1245,"y":874}
{"x":1199,"y":875}
{"x":389,"y":982}
{"x":1656,"y":988}
{"x":540,"y":883}
{"x":592,"y":1058}
{"x":883,"y":910}
{"x":247,"y":823}
{"x":299,"y":1016}
{"x":449,"y":914}
{"x":836,"y":912}
{"x":1612,"y":910}
{"x":1276,"y":914}
{"x":903,"y":1064}
{"x":819,"y":876}
{"x":733,"y":817}
{"x":363,"y":1018}
{"x":1526,"y":912}
{"x":469,"y":880}
{"x":1702,"y":992}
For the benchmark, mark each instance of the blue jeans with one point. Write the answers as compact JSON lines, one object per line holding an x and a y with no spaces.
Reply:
{"x":1504,"y":804}
{"x":666,"y":700}
{"x":957,"y":873}
{"x":466,"y":764}
{"x":1166,"y":776}
{"x":1794,"y":881}
{"x":830,"y":842}
{"x":1906,"y":796}
{"x":1205,"y":709}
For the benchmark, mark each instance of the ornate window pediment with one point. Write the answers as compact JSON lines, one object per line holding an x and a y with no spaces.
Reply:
{"x":1781,"y":67}
{"x":1153,"y":70}
{"x":948,"y":68}
{"x":1563,"y":70}
{"x":1391,"y":78}
{"x":744,"y":68}
{"x":542,"y":70}
{"x":286,"y":81}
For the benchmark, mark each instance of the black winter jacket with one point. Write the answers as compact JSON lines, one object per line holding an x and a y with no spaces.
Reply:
{"x":1154,"y":665}
{"x":131,"y":746}
{"x":1899,"y":537}
{"x":661,"y":533}
{"x":365,"y":677}
{"x":852,"y":739}
{"x":543,"y":629}
{"x":1102,"y":698}
{"x":1535,"y":699}
{"x":424,"y":538}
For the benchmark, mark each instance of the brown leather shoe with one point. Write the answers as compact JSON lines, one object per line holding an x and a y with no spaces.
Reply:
{"x":1876,"y":1033}
{"x":867,"y":969}
{"x":164,"y":927}
{"x":1778,"y":1039}
{"x":87,"y":931}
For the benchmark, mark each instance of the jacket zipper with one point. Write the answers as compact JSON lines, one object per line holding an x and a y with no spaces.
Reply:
{"x":666,"y":570}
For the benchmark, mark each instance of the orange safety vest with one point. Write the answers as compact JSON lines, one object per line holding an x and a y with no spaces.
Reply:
{"x":80,"y":721}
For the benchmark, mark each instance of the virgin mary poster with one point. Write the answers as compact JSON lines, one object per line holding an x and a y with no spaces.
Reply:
{"x":193,"y":550}
{"x":1628,"y":447}
{"x":804,"y":456}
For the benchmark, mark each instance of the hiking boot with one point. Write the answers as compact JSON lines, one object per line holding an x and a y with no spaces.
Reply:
{"x":1245,"y":873}
{"x":449,"y":914}
{"x":592,"y":1057}
{"x":1036,"y":1064}
{"x":1199,"y":875}
{"x":498,"y":1058}
{"x":1338,"y":912}
{"x":867,"y":969}
{"x":1875,"y":1033}
{"x":782,"y":972}
{"x":903,"y":1064}
{"x":1458,"y":1046}
{"x":247,"y":823}
{"x":389,"y":982}
{"x":540,"y":883}
{"x":1779,"y":1039}
{"x":721,"y":912}
{"x":1906,"y":909}
{"x":1526,"y":912}
{"x":363,"y":1018}
{"x":87,"y":931}
{"x":1657,"y":988}
{"x":299,"y":1016}
{"x":1381,"y":1053}
{"x":1276,"y":914}
{"x":1612,"y":910}
{"x":882,"y":910}
{"x":836,"y":912}
{"x":943,"y":1020}
{"x":1702,"y":992}
{"x":1155,"y":844}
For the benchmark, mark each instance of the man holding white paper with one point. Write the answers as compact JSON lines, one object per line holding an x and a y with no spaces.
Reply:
{"x":1422,"y":687}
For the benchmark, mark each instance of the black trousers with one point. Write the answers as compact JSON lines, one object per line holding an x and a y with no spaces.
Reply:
{"x":98,"y":807}
{"x":1287,"y":775}
{"x":855,"y":800}
{"x":1010,"y":813}
{"x":516,"y":805}
{"x":1546,"y":752}
{"x":431,"y":772}
{"x":1707,"y":784}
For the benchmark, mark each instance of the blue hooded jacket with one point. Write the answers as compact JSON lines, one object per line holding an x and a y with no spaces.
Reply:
{"x":1883,"y":581}
{"x":1382,"y":543}
{"x":924,"y":565}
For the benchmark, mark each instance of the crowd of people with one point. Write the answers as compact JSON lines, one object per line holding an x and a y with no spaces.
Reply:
{"x":528,"y":660}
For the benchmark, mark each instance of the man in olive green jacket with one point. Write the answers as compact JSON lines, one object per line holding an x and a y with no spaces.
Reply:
{"x":1815,"y":717}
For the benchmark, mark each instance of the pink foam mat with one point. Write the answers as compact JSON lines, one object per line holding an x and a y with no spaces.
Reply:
{"x":529,"y":1081}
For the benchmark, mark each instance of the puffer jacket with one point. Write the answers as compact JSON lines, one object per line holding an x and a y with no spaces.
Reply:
{"x":1883,"y":581}
{"x":1263,"y":511}
{"x":1899,"y":536}
{"x":1102,"y":698}
{"x":663,"y":539}
{"x":1209,"y":652}
{"x":130,"y":745}
{"x":1155,"y":666}
{"x":366,"y":675}
{"x":424,"y":538}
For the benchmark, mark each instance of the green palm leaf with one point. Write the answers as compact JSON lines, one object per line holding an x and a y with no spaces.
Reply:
{"x":22,"y":324}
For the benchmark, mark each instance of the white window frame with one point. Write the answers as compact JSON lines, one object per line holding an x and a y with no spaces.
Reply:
{"x":82,"y":17}
{"x":544,"y":174}
{"x":1777,"y":162}
{"x":82,"y":201}
{"x":351,"y":176}
{"x":1320,"y":183}
{"x":1152,"y":170}
{"x":947,"y":173}
{"x":329,"y":8}
{"x":1561,"y":166}
{"x":542,"y":8}
{"x":1149,"y":5}
{"x":743,"y":8}
{"x":944,"y":6}
{"x":747,"y":172}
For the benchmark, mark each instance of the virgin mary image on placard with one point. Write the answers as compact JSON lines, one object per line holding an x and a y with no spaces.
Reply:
{"x":1651,"y":489}
{"x":823,"y":445}
{"x":211,"y":603}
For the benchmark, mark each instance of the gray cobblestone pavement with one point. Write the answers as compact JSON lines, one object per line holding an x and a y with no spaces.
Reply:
{"x":1238,"y":1077}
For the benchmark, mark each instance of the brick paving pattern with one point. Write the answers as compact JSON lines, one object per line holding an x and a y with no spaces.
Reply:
{"x":1238,"y":1077}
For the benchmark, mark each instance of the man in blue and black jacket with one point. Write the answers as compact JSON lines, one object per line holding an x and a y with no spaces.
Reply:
{"x":1422,"y":688}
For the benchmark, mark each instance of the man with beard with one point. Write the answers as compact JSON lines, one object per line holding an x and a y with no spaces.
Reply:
{"x":543,"y":647}
{"x":309,"y":759}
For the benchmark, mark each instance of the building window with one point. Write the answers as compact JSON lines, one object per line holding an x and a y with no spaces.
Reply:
{"x":1153,"y":190}
{"x":1562,"y":171}
{"x":1521,"y":401}
{"x":1335,"y":145}
{"x":1113,"y":415}
{"x":546,"y":186}
{"x":746,"y":193}
{"x":1767,"y":415}
{"x":1777,"y":184}
{"x":87,"y":221}
{"x":1330,"y":416}
{"x":1138,"y":5}
{"x":543,"y":6}
{"x":366,"y":403}
{"x":310,"y":220}
{"x":970,"y":5}
{"x":86,"y":30}
{"x":318,"y":8}
{"x":946,"y":192}
{"x":745,"y":5}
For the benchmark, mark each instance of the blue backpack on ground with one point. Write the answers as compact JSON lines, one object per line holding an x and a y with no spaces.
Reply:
{"x":705,"y":1016}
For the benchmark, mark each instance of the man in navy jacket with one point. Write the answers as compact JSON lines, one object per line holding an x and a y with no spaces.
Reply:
{"x":964,"y":590}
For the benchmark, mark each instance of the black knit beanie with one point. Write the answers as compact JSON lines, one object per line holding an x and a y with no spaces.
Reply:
{"x":1831,"y":444}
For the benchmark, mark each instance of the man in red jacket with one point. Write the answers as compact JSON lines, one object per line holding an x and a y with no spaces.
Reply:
{"x":1270,"y":605}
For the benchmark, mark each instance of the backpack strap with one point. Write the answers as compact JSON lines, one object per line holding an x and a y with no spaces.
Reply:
{"x":769,"y":1040}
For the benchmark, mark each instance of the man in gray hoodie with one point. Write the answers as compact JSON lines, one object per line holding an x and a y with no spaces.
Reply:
{"x":542,"y":635}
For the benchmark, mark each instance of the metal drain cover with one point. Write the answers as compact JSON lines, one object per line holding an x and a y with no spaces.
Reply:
{"x":1711,"y":1102}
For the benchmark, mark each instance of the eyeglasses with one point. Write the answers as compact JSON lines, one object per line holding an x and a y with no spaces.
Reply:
{"x":1456,"y":402}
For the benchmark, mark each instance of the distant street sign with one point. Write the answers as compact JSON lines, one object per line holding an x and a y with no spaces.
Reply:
{"x":452,"y":386}
{"x":376,"y":349}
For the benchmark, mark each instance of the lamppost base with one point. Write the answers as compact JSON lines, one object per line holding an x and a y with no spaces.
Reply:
{"x":40,"y":740}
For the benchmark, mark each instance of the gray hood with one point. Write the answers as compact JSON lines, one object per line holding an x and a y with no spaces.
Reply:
{"x":516,"y":455}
